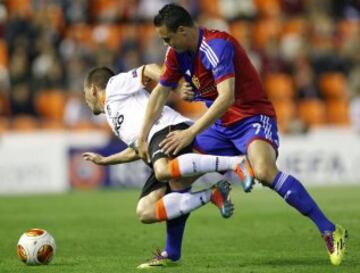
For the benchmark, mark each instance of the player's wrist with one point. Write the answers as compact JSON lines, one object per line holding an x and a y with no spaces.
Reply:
{"x":192,"y":131}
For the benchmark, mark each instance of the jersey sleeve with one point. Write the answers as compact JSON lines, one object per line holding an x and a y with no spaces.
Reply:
{"x":221,"y":58}
{"x":125,"y":84}
{"x":171,"y":73}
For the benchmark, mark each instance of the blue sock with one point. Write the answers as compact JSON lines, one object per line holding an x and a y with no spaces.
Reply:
{"x":175,"y":230}
{"x":296,"y":195}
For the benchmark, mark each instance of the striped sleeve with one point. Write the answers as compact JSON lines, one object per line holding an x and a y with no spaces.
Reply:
{"x":219,"y":55}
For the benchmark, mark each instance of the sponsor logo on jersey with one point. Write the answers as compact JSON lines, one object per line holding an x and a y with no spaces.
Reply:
{"x":117,"y":121}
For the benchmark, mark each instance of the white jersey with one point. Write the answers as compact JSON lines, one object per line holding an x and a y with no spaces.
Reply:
{"x":125,"y":106}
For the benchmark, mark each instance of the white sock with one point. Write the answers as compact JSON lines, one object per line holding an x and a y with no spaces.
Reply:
{"x":176,"y":204}
{"x":190,"y":164}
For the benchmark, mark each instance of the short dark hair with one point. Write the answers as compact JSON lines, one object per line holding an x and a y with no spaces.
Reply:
{"x":173,"y":16}
{"x":99,"y":76}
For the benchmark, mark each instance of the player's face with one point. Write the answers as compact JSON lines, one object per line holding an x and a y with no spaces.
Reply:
{"x":177,"y":40}
{"x":91,"y":100}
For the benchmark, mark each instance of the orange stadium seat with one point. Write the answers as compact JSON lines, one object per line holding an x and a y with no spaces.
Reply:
{"x":348,"y":28}
{"x":81,"y":33}
{"x":312,"y":112}
{"x":146,"y":32}
{"x":337,"y":111}
{"x":56,"y":17}
{"x":333,"y":85}
{"x":279,"y":86}
{"x":264,"y":30}
{"x":210,"y":7}
{"x":22,"y":6}
{"x":24,"y":123}
{"x":110,"y":35}
{"x":296,"y":25}
{"x":285,"y":112}
{"x":4,"y":124}
{"x":4,"y":105}
{"x":50,"y":104}
{"x":240,"y":30}
{"x":268,"y":8}
{"x":100,"y":7}
{"x":52,"y":125}
{"x":3,"y":53}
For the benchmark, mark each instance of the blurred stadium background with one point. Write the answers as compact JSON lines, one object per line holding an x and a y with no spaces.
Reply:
{"x":308,"y":55}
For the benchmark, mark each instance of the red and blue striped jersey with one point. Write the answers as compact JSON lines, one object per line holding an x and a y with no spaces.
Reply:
{"x":218,"y":57}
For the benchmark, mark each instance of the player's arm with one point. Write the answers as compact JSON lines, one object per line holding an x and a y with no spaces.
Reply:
{"x":226,"y":98}
{"x":127,"y":155}
{"x":157,"y":100}
{"x":177,"y":140}
{"x":152,"y":71}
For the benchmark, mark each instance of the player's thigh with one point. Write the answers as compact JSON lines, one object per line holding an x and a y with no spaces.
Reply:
{"x":257,"y":137}
{"x":183,"y":183}
{"x":159,"y":159}
{"x":213,"y":142}
{"x":258,"y":127}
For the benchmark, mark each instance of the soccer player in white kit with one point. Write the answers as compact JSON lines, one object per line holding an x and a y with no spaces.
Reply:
{"x":123,"y":99}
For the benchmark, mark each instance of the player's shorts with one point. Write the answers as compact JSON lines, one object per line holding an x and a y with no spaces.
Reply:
{"x":152,"y":183}
{"x":234,"y":139}
{"x":154,"y":149}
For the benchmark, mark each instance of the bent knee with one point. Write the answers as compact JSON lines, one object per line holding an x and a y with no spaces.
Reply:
{"x":144,"y":213}
{"x":162,"y":172}
{"x":265,"y":173}
{"x":144,"y":216}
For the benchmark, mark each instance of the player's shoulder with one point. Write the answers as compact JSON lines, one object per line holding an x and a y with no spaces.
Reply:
{"x":216,"y":36}
{"x":125,"y":82}
{"x":217,"y":41}
{"x":214,"y":46}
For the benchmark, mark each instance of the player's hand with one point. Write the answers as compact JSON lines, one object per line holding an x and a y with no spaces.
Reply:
{"x":143,"y":150}
{"x":177,"y":140}
{"x":186,"y":92}
{"x":94,"y":157}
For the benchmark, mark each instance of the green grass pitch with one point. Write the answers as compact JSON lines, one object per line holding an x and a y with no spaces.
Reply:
{"x":98,"y":232}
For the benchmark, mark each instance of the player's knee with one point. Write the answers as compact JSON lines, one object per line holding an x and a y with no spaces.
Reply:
{"x":264,"y":172}
{"x":162,"y":172}
{"x":143,"y":214}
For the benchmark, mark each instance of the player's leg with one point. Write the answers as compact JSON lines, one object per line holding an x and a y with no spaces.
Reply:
{"x":175,"y":227}
{"x":188,"y":164}
{"x":263,"y":157}
{"x":157,"y":206}
{"x":154,"y":190}
{"x":175,"y":204}
{"x":192,"y":164}
{"x":178,"y":203}
{"x":216,"y":141}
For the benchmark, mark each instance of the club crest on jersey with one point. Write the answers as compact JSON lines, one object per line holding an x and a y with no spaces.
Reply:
{"x":196,"y":82}
{"x":134,"y":73}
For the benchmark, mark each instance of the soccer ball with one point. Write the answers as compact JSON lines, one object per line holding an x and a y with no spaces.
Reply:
{"x":36,"y":246}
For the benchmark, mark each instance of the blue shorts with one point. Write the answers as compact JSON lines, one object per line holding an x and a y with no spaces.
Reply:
{"x":234,"y":140}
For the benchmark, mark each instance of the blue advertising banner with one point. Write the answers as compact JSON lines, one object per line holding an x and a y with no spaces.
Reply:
{"x":87,"y":175}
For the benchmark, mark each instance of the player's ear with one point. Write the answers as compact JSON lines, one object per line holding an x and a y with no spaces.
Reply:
{"x":93,"y":90}
{"x":181,"y":30}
